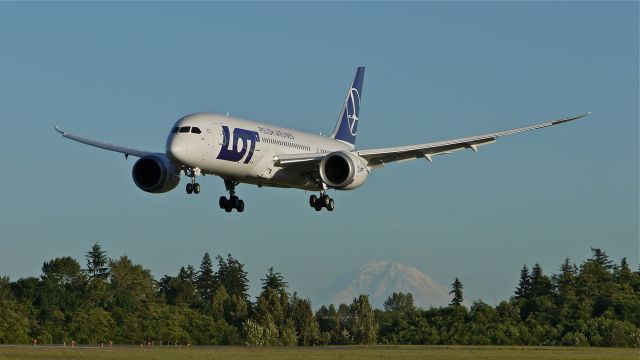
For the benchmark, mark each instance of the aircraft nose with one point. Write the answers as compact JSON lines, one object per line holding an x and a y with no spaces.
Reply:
{"x":178,"y":149}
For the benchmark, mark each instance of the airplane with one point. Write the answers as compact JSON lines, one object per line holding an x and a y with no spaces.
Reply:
{"x":244,"y":151}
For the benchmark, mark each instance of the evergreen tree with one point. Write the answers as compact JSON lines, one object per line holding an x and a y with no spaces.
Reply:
{"x":231,"y":274}
{"x":188,"y":274}
{"x":601,"y":258}
{"x":97,"y":263}
{"x":540,"y":283}
{"x":273,"y":280}
{"x":623,"y":274}
{"x":565,"y":288}
{"x":456,"y":292}
{"x":524,"y":285}
{"x":205,"y":280}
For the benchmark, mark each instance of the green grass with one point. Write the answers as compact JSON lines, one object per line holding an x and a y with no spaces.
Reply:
{"x":319,"y":353}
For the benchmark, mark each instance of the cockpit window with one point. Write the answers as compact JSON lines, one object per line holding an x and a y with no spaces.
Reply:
{"x":185,"y":129}
{"x":195,"y":130}
{"x":175,"y":130}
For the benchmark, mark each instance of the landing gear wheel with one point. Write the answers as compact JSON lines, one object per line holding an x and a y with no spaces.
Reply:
{"x":233,"y":202}
{"x":332,"y":205}
{"x":325,"y":200}
{"x":196,"y":188}
{"x":318,"y":206}
{"x":313,"y":200}
{"x":189,"y":188}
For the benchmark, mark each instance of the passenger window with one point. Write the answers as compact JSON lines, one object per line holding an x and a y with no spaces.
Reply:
{"x":195,"y":130}
{"x":185,"y":129}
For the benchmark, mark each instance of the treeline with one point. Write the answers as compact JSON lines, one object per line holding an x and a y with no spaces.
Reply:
{"x":597,"y":304}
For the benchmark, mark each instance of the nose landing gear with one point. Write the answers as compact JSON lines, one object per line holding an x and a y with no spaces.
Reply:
{"x":233,"y":202}
{"x":193,"y":186}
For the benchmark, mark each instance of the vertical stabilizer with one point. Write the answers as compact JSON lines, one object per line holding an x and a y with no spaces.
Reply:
{"x":347,"y":126}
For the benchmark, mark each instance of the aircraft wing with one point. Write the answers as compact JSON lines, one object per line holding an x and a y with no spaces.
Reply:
{"x":378,"y":157}
{"x":103,"y":145}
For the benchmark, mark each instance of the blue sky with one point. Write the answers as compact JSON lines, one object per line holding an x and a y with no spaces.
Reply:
{"x":124,"y":72}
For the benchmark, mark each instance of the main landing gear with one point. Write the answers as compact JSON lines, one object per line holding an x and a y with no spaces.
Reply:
{"x":324,"y":201}
{"x":193,"y":186}
{"x":233,"y":202}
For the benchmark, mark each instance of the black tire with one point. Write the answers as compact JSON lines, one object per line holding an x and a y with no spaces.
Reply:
{"x":222,"y":202}
{"x":332,"y":205}
{"x":228,"y":209}
{"x":196,"y":188}
{"x":240,"y":207}
{"x":313,"y":200}
{"x":189,"y":188}
{"x":325,"y":200}
{"x":234,"y":202}
{"x":318,"y":206}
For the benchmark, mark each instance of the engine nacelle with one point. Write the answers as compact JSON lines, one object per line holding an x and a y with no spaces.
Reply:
{"x":155,"y":174}
{"x":343,"y":170}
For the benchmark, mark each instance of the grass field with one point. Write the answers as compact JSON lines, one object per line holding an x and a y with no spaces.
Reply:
{"x":319,"y":353}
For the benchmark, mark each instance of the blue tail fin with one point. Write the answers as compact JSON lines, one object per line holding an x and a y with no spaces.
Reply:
{"x":347,"y":126}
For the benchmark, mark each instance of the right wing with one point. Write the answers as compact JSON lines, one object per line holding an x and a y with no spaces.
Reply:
{"x":378,"y":157}
{"x":103,"y":145}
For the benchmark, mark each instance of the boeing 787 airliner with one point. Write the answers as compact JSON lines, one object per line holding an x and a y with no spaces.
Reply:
{"x":243,"y":151}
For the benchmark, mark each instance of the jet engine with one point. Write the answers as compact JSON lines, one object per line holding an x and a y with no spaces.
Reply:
{"x":155,"y":174}
{"x":344,"y":171}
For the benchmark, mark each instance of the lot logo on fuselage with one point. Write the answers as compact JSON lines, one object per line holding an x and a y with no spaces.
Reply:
{"x":249,"y":139}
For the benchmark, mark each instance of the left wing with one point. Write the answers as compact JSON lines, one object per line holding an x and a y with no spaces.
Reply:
{"x":378,"y":157}
{"x":103,"y":145}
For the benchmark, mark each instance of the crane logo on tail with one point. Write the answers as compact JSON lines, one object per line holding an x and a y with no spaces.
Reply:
{"x":353,"y":105}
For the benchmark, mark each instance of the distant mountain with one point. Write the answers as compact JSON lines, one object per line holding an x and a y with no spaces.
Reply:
{"x":380,"y":279}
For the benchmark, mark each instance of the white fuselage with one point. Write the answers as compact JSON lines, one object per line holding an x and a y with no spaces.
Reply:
{"x":243,"y":150}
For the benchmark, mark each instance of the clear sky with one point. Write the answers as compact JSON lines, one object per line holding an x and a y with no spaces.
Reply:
{"x":124,"y":72}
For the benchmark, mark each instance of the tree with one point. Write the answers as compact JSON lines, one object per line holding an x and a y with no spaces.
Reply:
{"x":97,"y":262}
{"x":623,"y":274}
{"x":188,"y":274}
{"x":132,"y":284}
{"x":399,"y":302}
{"x":273,"y":280}
{"x":270,"y":307}
{"x":524,"y":285}
{"x":220,"y":302}
{"x":288,"y":336}
{"x":540,"y":283}
{"x":14,"y":326}
{"x":231,"y":274}
{"x":456,"y":292}
{"x":176,"y":290}
{"x":601,"y":257}
{"x":306,"y":326}
{"x":91,"y":326}
{"x":363,"y":326}
{"x":62,"y":286}
{"x":205,"y":281}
